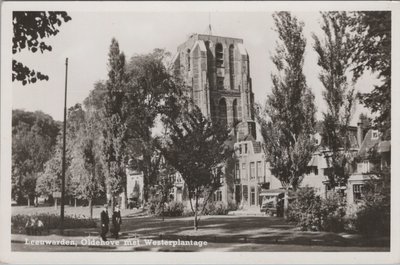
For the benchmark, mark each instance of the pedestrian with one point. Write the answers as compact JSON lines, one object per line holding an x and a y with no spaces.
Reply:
{"x":30,"y":226}
{"x":104,"y":222}
{"x":39,"y":226}
{"x":117,"y":221}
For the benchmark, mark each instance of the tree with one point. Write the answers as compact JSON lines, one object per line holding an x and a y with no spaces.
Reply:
{"x":49,"y":180}
{"x":30,"y":28}
{"x":149,"y":84}
{"x":287,"y":122}
{"x":85,"y":165}
{"x":33,"y":140}
{"x":372,"y":51}
{"x":114,"y":125}
{"x":334,"y":51}
{"x":197,"y":149}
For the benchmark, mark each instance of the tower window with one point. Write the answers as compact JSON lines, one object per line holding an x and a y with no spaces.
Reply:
{"x":220,"y":82}
{"x":188,"y":59}
{"x":231,"y":66}
{"x":219,"y":55}
{"x":223,"y":112}
{"x":235,"y":111}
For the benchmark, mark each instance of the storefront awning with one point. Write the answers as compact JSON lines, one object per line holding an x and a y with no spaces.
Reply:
{"x":274,"y":192}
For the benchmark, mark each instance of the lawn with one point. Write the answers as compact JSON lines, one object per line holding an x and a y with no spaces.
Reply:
{"x":232,"y":233}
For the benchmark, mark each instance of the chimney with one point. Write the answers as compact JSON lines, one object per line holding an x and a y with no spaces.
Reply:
{"x":359,"y":133}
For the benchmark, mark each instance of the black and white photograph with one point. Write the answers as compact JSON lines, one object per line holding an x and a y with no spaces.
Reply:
{"x":199,"y":127}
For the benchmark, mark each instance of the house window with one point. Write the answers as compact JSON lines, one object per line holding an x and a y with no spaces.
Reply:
{"x":245,"y":193}
{"x":218,"y":196}
{"x":357,"y":191}
{"x":240,"y":148}
{"x":252,"y":170}
{"x":245,"y":148}
{"x":237,"y":171}
{"x":260,"y":172}
{"x":244,"y":173}
{"x":259,"y":169}
{"x":252,"y":196}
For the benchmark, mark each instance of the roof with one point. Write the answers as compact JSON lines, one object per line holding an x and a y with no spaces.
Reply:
{"x":318,"y":160}
{"x":355,"y":177}
{"x":384,"y":146}
{"x":368,"y":143}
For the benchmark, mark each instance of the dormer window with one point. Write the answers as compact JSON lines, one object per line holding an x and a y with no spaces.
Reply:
{"x":375,"y":135}
{"x":245,"y":148}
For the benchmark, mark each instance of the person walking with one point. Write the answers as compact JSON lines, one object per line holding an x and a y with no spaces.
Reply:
{"x":116,"y":221}
{"x":104,"y":222}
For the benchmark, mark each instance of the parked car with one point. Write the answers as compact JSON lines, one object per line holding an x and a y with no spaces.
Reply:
{"x":272,"y":202}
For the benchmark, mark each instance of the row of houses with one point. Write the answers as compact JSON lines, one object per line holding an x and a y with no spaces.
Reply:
{"x":252,"y":178}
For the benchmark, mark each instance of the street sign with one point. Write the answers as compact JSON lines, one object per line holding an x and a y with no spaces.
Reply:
{"x":57,"y":194}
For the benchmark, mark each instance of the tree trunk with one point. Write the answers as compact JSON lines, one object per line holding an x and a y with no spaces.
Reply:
{"x":55,"y":203}
{"x":146,"y":177}
{"x":196,"y":225}
{"x":112,"y":203}
{"x":75,"y":203}
{"x":124,"y":198}
{"x":196,"y":221}
{"x":286,"y":204}
{"x":90,"y":209}
{"x":29,"y":201}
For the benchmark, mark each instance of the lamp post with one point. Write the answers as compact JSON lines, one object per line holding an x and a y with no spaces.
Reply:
{"x":64,"y":146}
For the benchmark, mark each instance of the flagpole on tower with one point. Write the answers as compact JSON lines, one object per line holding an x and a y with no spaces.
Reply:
{"x":209,"y":24}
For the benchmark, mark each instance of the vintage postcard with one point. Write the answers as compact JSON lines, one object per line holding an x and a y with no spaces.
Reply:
{"x":246,"y":132}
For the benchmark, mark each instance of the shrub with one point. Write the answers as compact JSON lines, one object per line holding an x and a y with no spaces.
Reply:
{"x":216,"y":208}
{"x":170,"y":209}
{"x":174,"y":209}
{"x":52,"y":221}
{"x":310,"y":212}
{"x":333,"y":211}
{"x":232,"y":206}
{"x":373,"y":216}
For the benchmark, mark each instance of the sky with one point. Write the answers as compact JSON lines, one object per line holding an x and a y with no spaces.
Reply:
{"x":85,"y":40}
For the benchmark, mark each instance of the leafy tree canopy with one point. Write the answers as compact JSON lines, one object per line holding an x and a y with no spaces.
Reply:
{"x":288,"y":120}
{"x":30,"y":28}
{"x":372,"y":51}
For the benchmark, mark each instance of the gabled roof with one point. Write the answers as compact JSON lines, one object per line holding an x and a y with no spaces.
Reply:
{"x":384,"y":147}
{"x":368,"y":143}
